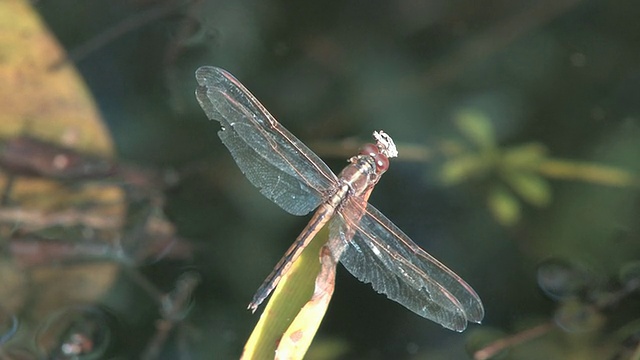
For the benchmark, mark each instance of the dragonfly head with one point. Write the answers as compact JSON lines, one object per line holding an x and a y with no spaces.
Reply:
{"x":380,"y":160}
{"x":381,"y":152}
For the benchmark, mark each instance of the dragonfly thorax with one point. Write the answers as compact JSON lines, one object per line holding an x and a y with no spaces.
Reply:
{"x":362,"y":173}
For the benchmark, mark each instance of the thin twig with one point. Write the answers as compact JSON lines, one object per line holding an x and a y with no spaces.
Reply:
{"x":126,"y":26}
{"x":497,"y":346}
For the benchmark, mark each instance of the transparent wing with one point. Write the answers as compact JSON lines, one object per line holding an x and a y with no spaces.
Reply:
{"x":381,"y":254}
{"x":275,"y":161}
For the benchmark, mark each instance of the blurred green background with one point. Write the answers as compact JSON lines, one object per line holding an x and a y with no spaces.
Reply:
{"x":518,"y":124}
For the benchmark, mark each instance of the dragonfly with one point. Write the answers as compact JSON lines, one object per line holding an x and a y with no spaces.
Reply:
{"x":368,"y":244}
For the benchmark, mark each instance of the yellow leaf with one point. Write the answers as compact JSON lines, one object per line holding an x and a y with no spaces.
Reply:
{"x":51,"y":104}
{"x":297,"y":339}
{"x":293,"y":292}
{"x":47,"y":102}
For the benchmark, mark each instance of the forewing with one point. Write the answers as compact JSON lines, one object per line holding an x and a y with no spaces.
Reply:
{"x":379,"y":253}
{"x":275,"y":161}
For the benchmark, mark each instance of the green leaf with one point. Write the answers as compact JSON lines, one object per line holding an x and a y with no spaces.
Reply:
{"x":533,"y":188}
{"x":463,"y":168}
{"x":504,"y":206}
{"x":476,"y":127}
{"x":525,"y":156}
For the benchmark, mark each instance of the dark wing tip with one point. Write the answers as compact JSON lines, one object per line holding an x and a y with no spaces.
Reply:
{"x":473,"y":308}
{"x":476,"y":315}
{"x":209,"y":78}
{"x":204,"y":73}
{"x":459,"y":324}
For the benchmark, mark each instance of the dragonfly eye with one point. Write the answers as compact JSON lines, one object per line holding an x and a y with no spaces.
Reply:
{"x":382,"y":162}
{"x":369,"y":150}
